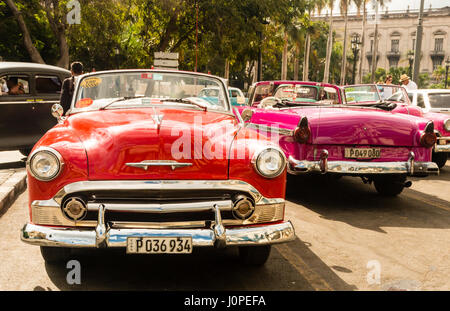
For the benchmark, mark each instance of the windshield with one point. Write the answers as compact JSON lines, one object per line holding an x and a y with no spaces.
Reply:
{"x":139,"y":88}
{"x":359,"y":94}
{"x":439,"y":100}
{"x":298,"y":93}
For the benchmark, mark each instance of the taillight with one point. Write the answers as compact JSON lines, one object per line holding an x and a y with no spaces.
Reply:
{"x":302,"y":132}
{"x":428,"y":138}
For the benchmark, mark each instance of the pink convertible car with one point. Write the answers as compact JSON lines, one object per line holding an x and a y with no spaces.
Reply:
{"x":371,"y":93}
{"x":320,"y":134}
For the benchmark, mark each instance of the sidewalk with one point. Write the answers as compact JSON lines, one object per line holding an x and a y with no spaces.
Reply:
{"x":12,"y":179}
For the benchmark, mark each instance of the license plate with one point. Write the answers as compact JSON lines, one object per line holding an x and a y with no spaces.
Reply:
{"x":362,"y":153}
{"x":159,"y":245}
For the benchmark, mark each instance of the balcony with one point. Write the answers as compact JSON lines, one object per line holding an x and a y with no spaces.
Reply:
{"x":393,"y":55}
{"x":437,"y":54}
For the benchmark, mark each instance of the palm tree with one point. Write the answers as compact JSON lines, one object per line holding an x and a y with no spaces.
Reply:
{"x":319,"y":5}
{"x":326,"y":73}
{"x":375,"y":40}
{"x":344,"y":4}
{"x":362,"y":3}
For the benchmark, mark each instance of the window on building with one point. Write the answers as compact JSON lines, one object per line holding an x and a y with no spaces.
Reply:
{"x":439,"y":44}
{"x":371,"y":45}
{"x":393,"y":63}
{"x":395,"y":45}
{"x":436,"y":63}
{"x":413,"y":44}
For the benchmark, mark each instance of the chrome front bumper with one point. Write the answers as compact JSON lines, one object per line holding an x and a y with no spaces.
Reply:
{"x":79,"y":238}
{"x":323,"y":166}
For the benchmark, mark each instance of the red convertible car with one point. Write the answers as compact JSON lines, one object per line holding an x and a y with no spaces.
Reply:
{"x":140,"y":162}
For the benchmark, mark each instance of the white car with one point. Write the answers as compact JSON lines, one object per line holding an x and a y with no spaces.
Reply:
{"x":431,"y":100}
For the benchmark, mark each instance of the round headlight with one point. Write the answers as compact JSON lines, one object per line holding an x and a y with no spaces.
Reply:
{"x":447,"y":125}
{"x":270,"y":162}
{"x":45,"y":164}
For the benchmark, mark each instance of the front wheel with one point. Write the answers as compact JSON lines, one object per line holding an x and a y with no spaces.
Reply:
{"x":390,"y":185}
{"x":440,"y":158}
{"x":53,"y":255}
{"x":254,"y":255}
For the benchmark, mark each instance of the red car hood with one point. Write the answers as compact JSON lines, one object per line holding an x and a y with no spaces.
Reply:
{"x":359,"y":126}
{"x":113,"y":138}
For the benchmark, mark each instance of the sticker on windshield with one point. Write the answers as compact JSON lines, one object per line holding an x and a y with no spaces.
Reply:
{"x":157,"y":77}
{"x":90,"y":82}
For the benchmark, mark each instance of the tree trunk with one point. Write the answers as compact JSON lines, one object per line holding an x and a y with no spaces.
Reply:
{"x":326,"y":73}
{"x":363,"y":36}
{"x":31,"y":49}
{"x":344,"y":51}
{"x":306,"y":59}
{"x":227,"y":69}
{"x":296,"y":59}
{"x":375,"y":46}
{"x":56,"y":20}
{"x":284,"y":57}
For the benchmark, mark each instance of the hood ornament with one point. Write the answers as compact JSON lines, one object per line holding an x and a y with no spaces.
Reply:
{"x":157,"y":118}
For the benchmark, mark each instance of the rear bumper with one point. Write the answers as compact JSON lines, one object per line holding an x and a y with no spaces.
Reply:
{"x":84,"y":238}
{"x":410,"y":167}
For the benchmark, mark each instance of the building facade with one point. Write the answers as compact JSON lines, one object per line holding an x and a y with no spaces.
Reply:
{"x":397,"y":35}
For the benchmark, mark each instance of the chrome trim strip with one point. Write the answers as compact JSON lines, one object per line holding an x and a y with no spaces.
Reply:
{"x":69,"y":237}
{"x":274,"y":129}
{"x":349,"y":167}
{"x":161,"y":185}
{"x":156,"y":225}
{"x":146,"y":163}
{"x":163,"y":208}
{"x":442,"y":148}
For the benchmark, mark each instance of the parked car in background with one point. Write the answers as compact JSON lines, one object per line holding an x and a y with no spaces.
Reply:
{"x":237,"y":98}
{"x":431,"y":100}
{"x":401,"y":98}
{"x":27,"y":94}
{"x":320,"y":134}
{"x":142,"y":163}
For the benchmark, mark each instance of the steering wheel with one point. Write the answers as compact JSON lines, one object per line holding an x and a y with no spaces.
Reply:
{"x":269,"y":102}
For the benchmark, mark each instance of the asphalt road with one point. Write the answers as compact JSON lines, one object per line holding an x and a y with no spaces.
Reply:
{"x":348,"y":238}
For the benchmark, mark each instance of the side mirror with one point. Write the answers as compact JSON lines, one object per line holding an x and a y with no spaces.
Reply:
{"x":247,"y":114}
{"x":240,"y":100}
{"x":57,"y":112}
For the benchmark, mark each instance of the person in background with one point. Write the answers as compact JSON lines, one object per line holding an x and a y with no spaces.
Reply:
{"x":387,"y":90}
{"x":68,"y":85}
{"x":15,"y":87}
{"x":3,"y":88}
{"x":407,"y":83}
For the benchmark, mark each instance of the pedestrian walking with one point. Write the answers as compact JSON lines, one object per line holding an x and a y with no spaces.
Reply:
{"x":68,"y":85}
{"x":407,"y":83}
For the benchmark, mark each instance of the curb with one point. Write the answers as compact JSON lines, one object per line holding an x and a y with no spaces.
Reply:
{"x":12,"y":188}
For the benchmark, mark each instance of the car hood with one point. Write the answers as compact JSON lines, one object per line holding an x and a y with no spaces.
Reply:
{"x":114,"y":138}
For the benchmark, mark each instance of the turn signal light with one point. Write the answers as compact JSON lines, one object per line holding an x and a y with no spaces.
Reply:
{"x":428,"y":140}
{"x":302,"y":132}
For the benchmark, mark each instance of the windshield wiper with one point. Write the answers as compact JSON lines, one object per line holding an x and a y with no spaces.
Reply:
{"x":185,"y":101}
{"x":119,"y":100}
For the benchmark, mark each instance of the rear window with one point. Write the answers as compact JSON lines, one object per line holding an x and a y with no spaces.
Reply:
{"x":439,"y":100}
{"x":48,"y":85}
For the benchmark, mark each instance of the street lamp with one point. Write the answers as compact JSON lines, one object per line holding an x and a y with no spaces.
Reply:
{"x":411,"y":60}
{"x":447,"y":65}
{"x":355,"y":48}
{"x":260,"y":37}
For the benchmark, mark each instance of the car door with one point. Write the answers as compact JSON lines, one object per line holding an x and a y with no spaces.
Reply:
{"x":47,"y":92}
{"x":17,"y":126}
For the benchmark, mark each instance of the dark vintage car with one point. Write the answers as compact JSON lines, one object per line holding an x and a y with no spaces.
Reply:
{"x":27,"y":93}
{"x":140,"y":162}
